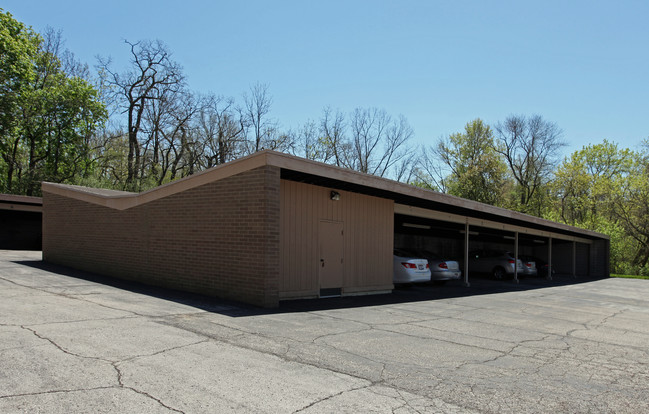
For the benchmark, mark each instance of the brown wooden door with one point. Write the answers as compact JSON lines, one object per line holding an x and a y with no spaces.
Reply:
{"x":331,"y":254}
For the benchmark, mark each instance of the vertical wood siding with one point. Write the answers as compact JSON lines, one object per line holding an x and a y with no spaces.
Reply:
{"x":368,"y":224}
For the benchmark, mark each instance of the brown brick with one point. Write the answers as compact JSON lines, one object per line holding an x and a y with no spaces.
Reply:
{"x":219,"y":239}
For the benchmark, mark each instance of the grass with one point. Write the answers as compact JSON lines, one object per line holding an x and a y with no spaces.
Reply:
{"x":630,"y":276}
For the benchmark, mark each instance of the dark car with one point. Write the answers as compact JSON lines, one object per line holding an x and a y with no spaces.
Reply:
{"x":541,"y":265}
{"x":498,"y":263}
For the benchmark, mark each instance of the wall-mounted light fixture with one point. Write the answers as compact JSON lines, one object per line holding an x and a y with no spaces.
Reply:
{"x":335,"y":195}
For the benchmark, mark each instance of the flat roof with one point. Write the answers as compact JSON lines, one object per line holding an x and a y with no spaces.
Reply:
{"x":21,"y":203}
{"x":311,"y":172}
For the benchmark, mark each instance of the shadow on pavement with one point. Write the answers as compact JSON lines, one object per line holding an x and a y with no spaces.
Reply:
{"x":401,"y":294}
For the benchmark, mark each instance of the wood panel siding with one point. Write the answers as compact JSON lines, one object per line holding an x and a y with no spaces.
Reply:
{"x":368,"y":239}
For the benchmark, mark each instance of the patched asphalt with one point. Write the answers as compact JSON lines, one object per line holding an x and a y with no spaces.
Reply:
{"x":76,"y":342}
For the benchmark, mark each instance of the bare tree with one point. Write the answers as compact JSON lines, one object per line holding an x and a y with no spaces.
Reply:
{"x":367,"y":130}
{"x":152,"y":71}
{"x":332,"y":126}
{"x":257,"y":108}
{"x":377,"y":142}
{"x":221,"y":128}
{"x":405,"y":168}
{"x":373,"y":142}
{"x":429,"y":173}
{"x":169,"y":148}
{"x":530,"y":147}
{"x":54,"y":44}
{"x":308,"y":143}
{"x":395,"y":148}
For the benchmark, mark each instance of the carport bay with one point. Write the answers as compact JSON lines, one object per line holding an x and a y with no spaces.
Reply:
{"x":455,"y":236}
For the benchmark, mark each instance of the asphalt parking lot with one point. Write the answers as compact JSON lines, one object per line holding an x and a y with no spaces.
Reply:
{"x":72,"y":342}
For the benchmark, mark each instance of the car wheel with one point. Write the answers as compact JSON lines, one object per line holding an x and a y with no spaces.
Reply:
{"x":498,"y":273}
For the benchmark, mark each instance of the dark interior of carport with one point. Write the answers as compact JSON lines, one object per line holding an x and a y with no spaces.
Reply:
{"x":447,"y":239}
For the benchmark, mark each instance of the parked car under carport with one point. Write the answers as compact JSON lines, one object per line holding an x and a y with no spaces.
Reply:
{"x":529,"y":266}
{"x":409,"y":268}
{"x":441,"y":270}
{"x":542,"y":266}
{"x":497,"y":263}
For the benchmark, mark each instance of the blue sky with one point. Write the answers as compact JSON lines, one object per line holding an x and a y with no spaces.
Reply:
{"x":581,"y":64}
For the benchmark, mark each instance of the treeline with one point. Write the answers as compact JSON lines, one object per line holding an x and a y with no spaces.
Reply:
{"x":141,"y":127}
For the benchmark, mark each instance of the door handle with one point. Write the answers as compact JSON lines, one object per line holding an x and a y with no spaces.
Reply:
{"x":322,"y":262}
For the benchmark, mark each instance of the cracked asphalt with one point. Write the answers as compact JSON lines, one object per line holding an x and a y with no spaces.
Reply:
{"x":74,"y":342}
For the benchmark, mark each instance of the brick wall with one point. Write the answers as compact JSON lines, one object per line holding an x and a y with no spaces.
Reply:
{"x":219,"y":239}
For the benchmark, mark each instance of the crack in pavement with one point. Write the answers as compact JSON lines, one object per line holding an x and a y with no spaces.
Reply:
{"x":73,"y":297}
{"x":30,"y":394}
{"x":115,"y":365}
{"x":405,"y":401}
{"x":60,"y":348}
{"x":331,"y":396}
{"x":117,"y":318}
{"x":120,"y":375}
{"x":164,"y":351}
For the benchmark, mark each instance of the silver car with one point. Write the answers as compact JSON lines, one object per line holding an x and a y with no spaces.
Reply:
{"x":529,"y":266}
{"x":408,"y":268}
{"x":441,"y":270}
{"x":498,"y":263}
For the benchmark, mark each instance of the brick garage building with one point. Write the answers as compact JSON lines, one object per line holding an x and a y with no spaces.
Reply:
{"x":272,"y":226}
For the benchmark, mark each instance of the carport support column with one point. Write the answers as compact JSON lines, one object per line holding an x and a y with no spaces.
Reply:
{"x":515,"y":257}
{"x":548,"y":276}
{"x":466,"y":255}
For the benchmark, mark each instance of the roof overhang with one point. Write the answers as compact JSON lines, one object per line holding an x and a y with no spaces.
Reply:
{"x":406,"y":197}
{"x":21,"y":203}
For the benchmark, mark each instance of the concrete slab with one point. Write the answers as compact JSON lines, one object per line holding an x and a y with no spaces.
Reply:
{"x":71,"y":342}
{"x":99,"y":401}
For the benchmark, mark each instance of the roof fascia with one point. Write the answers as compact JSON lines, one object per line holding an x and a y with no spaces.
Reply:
{"x":337,"y":173}
{"x":123,"y":201}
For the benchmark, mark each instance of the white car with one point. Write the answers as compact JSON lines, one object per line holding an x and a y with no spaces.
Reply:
{"x":409,"y":269}
{"x":441,"y":270}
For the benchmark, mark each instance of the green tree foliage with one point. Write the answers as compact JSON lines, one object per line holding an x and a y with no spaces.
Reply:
{"x":605,"y":188}
{"x":585,"y":183}
{"x":18,"y":47}
{"x":53,"y":115}
{"x":476,"y":170}
{"x":629,"y":206}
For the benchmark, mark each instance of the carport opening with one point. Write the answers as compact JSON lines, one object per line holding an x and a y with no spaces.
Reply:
{"x":447,"y":239}
{"x":442,"y":238}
